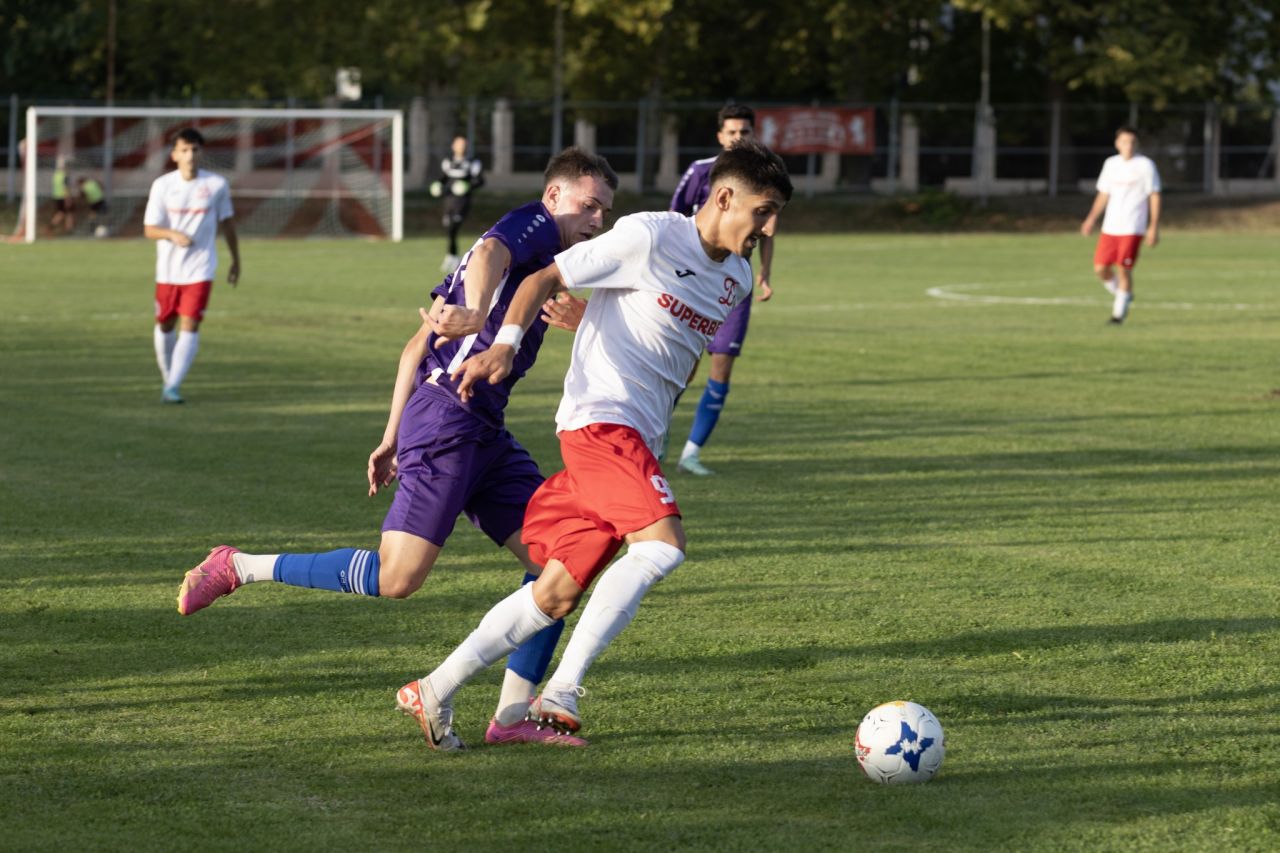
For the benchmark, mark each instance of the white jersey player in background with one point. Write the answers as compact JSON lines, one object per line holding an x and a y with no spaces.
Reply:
{"x":184,"y":211}
{"x":1129,"y":191}
{"x":663,"y":284}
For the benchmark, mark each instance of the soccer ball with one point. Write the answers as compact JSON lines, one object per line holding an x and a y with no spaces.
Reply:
{"x":899,"y":743}
{"x":101,"y":231}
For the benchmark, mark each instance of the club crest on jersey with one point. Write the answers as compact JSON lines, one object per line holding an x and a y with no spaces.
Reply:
{"x":730,"y":291}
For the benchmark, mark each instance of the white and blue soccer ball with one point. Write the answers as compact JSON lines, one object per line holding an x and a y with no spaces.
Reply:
{"x":900,"y":743}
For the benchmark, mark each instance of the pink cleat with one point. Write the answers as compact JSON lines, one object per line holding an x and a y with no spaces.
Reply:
{"x":209,"y":581}
{"x":529,"y":731}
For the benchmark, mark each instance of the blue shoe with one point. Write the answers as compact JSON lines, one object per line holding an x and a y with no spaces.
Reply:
{"x":171,"y":395}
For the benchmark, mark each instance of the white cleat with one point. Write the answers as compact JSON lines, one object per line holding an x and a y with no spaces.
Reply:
{"x":557,"y":708}
{"x":418,"y":700}
{"x":693,"y":465}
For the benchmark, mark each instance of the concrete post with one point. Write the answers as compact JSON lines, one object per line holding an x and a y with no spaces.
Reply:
{"x":584,"y":134}
{"x":984,"y":150}
{"x":1275,"y":148}
{"x":909,"y":157}
{"x":1212,"y":147}
{"x":668,"y":160}
{"x":244,"y":146}
{"x":829,"y":172}
{"x":504,"y":134}
{"x":419,"y":147}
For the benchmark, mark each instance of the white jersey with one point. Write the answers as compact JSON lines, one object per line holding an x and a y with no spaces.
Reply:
{"x":195,"y":208}
{"x":1129,"y":183}
{"x":657,"y":301}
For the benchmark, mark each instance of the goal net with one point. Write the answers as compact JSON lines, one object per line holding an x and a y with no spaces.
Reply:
{"x":293,"y":173}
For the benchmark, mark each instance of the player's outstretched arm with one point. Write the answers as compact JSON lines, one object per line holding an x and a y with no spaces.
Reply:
{"x":481,"y":278}
{"x":494,"y":364}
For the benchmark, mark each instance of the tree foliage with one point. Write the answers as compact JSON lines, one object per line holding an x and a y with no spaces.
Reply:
{"x":1149,"y":51}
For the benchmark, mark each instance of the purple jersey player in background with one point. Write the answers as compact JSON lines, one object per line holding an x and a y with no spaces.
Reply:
{"x":734,"y":122}
{"x":453,"y":457}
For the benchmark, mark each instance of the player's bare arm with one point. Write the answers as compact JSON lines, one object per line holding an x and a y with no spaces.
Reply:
{"x":1153,"y":229}
{"x":1099,"y":205}
{"x":228,"y":227}
{"x":382,"y":461}
{"x":177,"y":238}
{"x":766,"y":267}
{"x":494,"y":364}
{"x":484,"y":273}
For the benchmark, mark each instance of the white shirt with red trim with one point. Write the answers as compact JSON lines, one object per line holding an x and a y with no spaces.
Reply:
{"x":1129,"y":184}
{"x":658,"y":300}
{"x":195,"y":208}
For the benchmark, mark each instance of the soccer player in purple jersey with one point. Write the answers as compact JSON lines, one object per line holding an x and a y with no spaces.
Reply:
{"x":452,"y":455}
{"x":735,"y":122}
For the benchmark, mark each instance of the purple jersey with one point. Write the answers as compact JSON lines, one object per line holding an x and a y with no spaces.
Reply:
{"x":694,"y":187}
{"x":531,"y":236}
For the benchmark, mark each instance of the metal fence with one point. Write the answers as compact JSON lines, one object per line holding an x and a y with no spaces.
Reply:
{"x":1039,"y":148}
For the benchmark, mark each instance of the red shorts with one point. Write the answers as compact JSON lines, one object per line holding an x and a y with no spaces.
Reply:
{"x":183,"y":300}
{"x":611,"y":485}
{"x":1119,"y":249}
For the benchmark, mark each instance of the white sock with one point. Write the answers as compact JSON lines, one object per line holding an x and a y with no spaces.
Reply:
{"x":183,"y":354}
{"x":1120,"y":307}
{"x":1112,"y":284}
{"x":690,"y":450}
{"x":253,"y":568}
{"x":164,"y":342}
{"x":613,"y":604}
{"x":512,"y":620}
{"x":513,"y":704}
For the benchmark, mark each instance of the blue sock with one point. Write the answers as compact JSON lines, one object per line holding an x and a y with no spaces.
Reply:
{"x":345,"y":570}
{"x":532,"y":659}
{"x":704,"y":421}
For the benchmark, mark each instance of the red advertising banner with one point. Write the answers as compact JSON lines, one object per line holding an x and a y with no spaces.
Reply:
{"x":817,"y":130}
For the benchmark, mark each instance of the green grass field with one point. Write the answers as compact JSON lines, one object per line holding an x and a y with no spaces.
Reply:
{"x":943,"y":477}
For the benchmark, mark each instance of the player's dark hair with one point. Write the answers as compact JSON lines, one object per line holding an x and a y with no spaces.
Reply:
{"x":574,"y":162}
{"x":189,"y":135}
{"x":729,"y":111}
{"x":749,"y":162}
{"x":1124,"y":128}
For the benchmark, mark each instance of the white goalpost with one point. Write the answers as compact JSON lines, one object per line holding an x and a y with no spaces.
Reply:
{"x":293,"y":172}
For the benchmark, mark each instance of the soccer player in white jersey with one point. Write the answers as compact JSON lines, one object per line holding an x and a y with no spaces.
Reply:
{"x":1129,"y":192}
{"x":184,"y":211}
{"x":663,"y":284}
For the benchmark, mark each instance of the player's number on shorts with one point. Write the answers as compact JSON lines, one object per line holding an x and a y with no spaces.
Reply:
{"x":664,"y":489}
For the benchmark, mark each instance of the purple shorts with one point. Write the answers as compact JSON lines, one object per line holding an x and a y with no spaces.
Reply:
{"x":451,"y":463}
{"x":733,"y":331}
